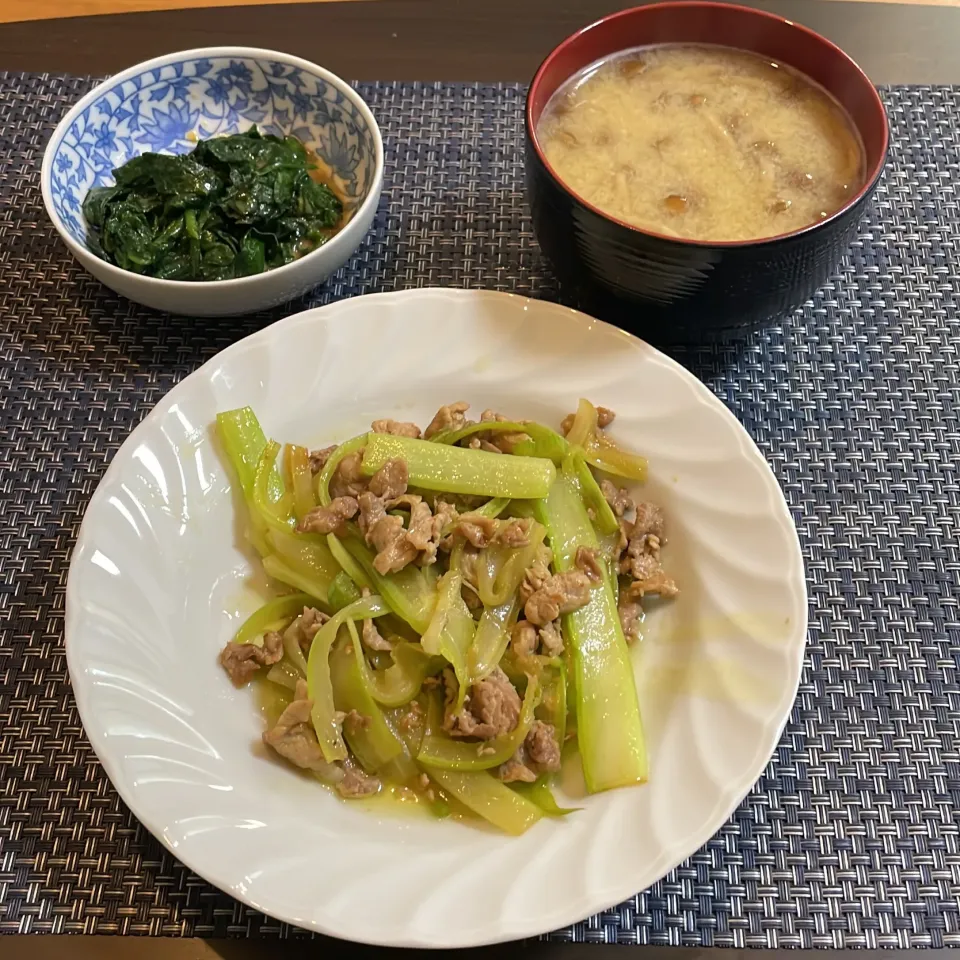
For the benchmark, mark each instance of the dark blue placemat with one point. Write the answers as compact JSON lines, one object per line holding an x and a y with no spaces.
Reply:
{"x":851,"y":836}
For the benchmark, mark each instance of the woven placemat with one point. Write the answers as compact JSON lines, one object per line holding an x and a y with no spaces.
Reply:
{"x":850,"y":838}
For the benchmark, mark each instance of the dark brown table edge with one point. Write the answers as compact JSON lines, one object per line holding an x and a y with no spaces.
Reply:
{"x":472,"y":40}
{"x":456,"y":40}
{"x":47,"y":947}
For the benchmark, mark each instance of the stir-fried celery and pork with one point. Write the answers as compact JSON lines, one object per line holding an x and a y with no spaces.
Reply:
{"x":465,"y":597}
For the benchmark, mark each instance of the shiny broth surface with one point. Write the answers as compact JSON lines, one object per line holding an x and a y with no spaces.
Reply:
{"x":702,"y":142}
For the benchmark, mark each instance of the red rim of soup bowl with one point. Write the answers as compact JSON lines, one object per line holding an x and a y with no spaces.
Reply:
{"x":674,"y":22}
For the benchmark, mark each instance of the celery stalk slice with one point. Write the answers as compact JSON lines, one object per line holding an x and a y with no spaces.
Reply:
{"x":553,"y":703}
{"x":542,"y":442}
{"x":244,"y":443}
{"x":435,"y":466}
{"x":609,"y":729}
{"x":399,"y":683}
{"x":274,"y":515}
{"x":605,"y":519}
{"x":451,"y":630}
{"x":307,"y":555}
{"x":319,"y":683}
{"x":374,"y":745}
{"x":492,"y":637}
{"x":539,"y":792}
{"x":349,"y":566}
{"x":488,"y":797}
{"x":325,"y":475}
{"x":296,"y":577}
{"x":273,"y":615}
{"x":301,"y":481}
{"x":500,"y":569}
{"x":605,"y":455}
{"x":584,"y":427}
{"x":342,"y":592}
{"x":284,"y":674}
{"x":599,"y":450}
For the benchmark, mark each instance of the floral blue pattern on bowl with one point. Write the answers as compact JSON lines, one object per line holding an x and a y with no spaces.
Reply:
{"x":166,"y":109}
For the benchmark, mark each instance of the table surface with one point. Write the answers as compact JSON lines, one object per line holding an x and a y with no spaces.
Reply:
{"x":14,"y":10}
{"x":426,"y":40}
{"x":453,"y":39}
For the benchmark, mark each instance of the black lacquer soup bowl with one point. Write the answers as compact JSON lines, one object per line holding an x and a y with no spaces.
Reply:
{"x":670,"y":289}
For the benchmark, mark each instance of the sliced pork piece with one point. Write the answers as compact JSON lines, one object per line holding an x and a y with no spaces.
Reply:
{"x":243,"y":660}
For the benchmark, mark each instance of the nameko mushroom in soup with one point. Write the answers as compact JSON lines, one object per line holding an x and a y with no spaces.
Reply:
{"x":703,"y":143}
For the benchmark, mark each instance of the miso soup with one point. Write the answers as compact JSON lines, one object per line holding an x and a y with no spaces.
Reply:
{"x":703,"y":143}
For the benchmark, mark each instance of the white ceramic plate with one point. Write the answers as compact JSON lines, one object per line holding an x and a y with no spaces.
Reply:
{"x":158,"y":584}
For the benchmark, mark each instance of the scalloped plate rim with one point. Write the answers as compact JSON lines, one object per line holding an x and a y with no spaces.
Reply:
{"x":563,"y":914}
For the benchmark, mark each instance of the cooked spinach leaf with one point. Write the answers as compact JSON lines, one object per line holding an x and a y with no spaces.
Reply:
{"x":233,"y":207}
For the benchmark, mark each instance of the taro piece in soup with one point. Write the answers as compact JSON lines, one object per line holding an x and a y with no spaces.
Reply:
{"x":702,"y":143}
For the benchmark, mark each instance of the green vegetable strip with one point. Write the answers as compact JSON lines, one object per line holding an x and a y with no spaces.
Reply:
{"x":347,"y":564}
{"x":493,"y":507}
{"x":399,"y":683}
{"x":291,"y":647}
{"x":273,"y":615}
{"x":491,"y":799}
{"x":609,"y":730}
{"x":543,"y":441}
{"x":610,"y":551}
{"x":376,"y":745}
{"x":330,"y":467}
{"x":279,"y":569}
{"x":434,"y":713}
{"x":456,"y":555}
{"x":273,"y":515}
{"x":539,"y":792}
{"x":440,"y":808}
{"x":599,"y":450}
{"x":284,"y":674}
{"x":605,"y":520}
{"x":490,"y":563}
{"x":243,"y":442}
{"x":492,"y":637}
{"x":343,"y":591}
{"x":434,"y":466}
{"x":451,"y":630}
{"x":500,"y":569}
{"x":301,"y":480}
{"x":584,"y":428}
{"x":553,"y":703}
{"x":570,"y":675}
{"x":607,"y":456}
{"x":308,"y":556}
{"x":516,"y":673}
{"x":410,"y":593}
{"x":319,"y":684}
{"x":450,"y":754}
{"x":523,"y":509}
{"x":412,"y":732}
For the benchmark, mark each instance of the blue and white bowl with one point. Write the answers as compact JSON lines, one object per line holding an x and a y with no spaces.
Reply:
{"x":164,"y":106}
